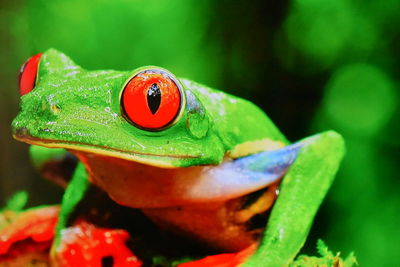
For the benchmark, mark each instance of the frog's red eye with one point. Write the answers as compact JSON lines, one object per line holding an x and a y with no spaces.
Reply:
{"x":28,"y":73}
{"x":152,"y":99}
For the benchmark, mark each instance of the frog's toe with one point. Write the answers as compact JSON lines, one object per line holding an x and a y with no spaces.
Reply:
{"x":84,"y":244}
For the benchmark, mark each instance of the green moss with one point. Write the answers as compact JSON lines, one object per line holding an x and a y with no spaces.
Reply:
{"x":327,"y":258}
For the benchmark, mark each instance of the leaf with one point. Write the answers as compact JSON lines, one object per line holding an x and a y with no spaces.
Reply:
{"x":17,"y":202}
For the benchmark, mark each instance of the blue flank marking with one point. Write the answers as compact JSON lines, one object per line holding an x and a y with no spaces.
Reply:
{"x":268,"y":165}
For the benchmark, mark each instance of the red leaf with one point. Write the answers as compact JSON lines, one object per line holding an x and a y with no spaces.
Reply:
{"x":222,"y":260}
{"x":86,"y":245}
{"x":34,"y":225}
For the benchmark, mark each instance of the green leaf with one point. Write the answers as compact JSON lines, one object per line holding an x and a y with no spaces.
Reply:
{"x":17,"y":202}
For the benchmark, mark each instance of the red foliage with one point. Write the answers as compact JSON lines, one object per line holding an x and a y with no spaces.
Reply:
{"x":85,"y":245}
{"x":222,"y":260}
{"x":34,"y":227}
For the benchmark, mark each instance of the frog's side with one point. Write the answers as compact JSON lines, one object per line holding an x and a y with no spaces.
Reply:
{"x":191,"y":173}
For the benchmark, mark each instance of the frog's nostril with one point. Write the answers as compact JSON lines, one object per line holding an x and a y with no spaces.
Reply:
{"x":21,"y":132}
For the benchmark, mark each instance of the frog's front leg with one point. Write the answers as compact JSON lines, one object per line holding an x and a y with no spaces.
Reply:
{"x":74,"y":193}
{"x":301,"y":193}
{"x":79,"y":242}
{"x":61,"y":167}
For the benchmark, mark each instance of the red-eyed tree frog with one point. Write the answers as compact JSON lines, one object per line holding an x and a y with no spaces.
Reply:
{"x":199,"y":163}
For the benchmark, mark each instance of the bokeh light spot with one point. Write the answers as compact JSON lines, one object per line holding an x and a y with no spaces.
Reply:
{"x":365,"y":34}
{"x":319,"y":30}
{"x":360,"y":98}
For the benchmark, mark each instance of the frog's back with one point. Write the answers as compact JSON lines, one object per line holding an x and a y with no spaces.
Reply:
{"x":235,"y":120}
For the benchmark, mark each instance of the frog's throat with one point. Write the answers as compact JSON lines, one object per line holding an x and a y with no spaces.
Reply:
{"x":161,"y":161}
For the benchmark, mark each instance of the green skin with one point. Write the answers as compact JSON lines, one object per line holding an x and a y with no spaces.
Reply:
{"x":71,"y":106}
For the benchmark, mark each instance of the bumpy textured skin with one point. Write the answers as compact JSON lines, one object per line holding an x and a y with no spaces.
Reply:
{"x":72,"y":105}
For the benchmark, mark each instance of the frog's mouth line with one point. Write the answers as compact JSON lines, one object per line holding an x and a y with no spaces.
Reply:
{"x":220,"y":182}
{"x":144,"y":158}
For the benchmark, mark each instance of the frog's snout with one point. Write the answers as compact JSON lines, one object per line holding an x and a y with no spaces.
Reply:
{"x":21,"y":132}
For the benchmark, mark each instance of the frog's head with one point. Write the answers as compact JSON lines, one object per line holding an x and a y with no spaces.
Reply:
{"x":146,"y":115}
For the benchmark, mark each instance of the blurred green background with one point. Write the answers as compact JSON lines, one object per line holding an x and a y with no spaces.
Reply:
{"x":311,"y":65}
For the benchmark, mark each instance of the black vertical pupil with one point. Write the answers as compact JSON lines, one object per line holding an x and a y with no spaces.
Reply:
{"x":154,"y":98}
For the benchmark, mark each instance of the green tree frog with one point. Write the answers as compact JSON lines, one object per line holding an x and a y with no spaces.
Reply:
{"x":197,"y":162}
